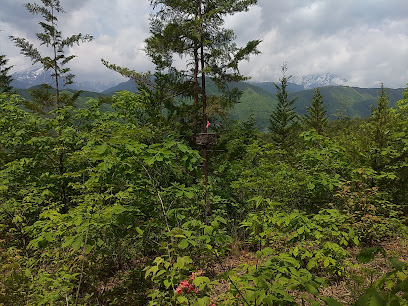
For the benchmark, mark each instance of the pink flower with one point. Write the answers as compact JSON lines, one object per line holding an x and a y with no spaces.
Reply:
{"x":208,"y":125}
{"x":195,"y":274}
{"x":179,"y":290}
{"x":186,"y":285}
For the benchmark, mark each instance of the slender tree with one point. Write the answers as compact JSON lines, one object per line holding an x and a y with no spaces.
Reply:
{"x":52,"y":38}
{"x":316,"y":114}
{"x":193,"y":30}
{"x":56,"y":61}
{"x":283,"y":120}
{"x":381,"y":117}
{"x":380,"y":125}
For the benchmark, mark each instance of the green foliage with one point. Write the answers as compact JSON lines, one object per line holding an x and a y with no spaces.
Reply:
{"x":268,"y":281}
{"x":390,"y":289}
{"x":317,"y":241}
{"x":202,"y":243}
{"x":133,"y":221}
{"x":14,"y":282}
{"x":104,"y":204}
{"x":117,"y":178}
{"x":174,"y":285}
{"x":283,"y":120}
{"x":316,"y":114}
{"x":194,"y":30}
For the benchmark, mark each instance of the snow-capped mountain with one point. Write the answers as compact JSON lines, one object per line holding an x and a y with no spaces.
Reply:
{"x":313,"y":81}
{"x":37,"y":76}
{"x":32,"y":77}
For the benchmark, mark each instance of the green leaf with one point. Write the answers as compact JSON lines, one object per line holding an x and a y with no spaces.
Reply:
{"x":99,"y":242}
{"x":182,"y":299}
{"x":371,"y":298}
{"x":295,"y":251}
{"x":139,"y":231}
{"x":183,"y":148}
{"x":167,"y":283}
{"x":118,"y":209}
{"x":398,"y":265}
{"x":101,"y":149}
{"x":180,"y":262}
{"x":152,"y":270}
{"x":201,"y":280}
{"x":331,"y":302}
{"x":179,"y":236}
{"x":49,"y":237}
{"x":78,"y":220}
{"x":311,"y":264}
{"x":183,"y":244}
{"x":189,"y":194}
{"x":78,"y":242}
{"x":312,"y":288}
{"x":367,"y":254}
{"x":311,"y":186}
{"x":204,"y":301}
{"x":27,"y":273}
{"x":68,"y":241}
{"x":88,"y":249}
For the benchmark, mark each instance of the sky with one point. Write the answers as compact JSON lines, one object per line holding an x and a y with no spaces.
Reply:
{"x":362,"y":41}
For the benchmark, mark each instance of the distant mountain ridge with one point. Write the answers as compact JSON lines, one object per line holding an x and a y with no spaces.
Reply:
{"x":258,"y":98}
{"x":271,"y":88}
{"x":314,"y":81}
{"x":129,"y":85}
{"x":37,"y":76}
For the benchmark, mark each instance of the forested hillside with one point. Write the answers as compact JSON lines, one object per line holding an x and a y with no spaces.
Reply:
{"x":157,"y":197}
{"x":340,"y":101}
{"x":257,"y":102}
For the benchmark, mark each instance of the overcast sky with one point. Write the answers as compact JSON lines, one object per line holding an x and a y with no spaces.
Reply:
{"x":363,"y":41}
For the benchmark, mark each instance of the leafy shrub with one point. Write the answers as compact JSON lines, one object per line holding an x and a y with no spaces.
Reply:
{"x":317,"y":241}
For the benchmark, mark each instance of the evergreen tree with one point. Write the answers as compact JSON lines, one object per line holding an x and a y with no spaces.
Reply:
{"x":45,"y":99}
{"x":193,"y":30}
{"x":5,"y":79}
{"x":381,"y":117}
{"x":380,"y":125}
{"x":283,"y":121}
{"x":402,"y":105}
{"x":316,"y":114}
{"x":52,"y":38}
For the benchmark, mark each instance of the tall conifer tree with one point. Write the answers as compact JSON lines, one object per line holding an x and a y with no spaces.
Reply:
{"x":283,"y":121}
{"x":55,"y":61}
{"x":193,"y":30}
{"x":381,"y":117}
{"x":316,"y":114}
{"x":380,"y":125}
{"x":51,"y":37}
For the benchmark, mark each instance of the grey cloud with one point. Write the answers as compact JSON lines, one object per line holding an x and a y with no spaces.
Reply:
{"x":364,"y":41}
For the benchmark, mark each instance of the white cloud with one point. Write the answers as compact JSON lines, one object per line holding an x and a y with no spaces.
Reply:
{"x":364,"y":41}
